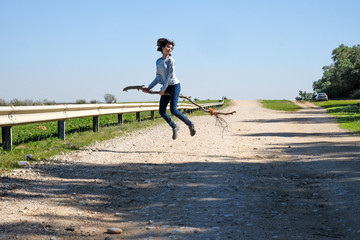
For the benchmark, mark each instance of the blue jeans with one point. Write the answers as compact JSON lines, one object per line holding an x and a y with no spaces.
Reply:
{"x":174,"y":91}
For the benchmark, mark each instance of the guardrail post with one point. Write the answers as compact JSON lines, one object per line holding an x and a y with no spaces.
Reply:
{"x":120,"y":119}
{"x":96,"y":123}
{"x":138,"y":117}
{"x":61,"y":129}
{"x":152,"y":115}
{"x":7,"y":138}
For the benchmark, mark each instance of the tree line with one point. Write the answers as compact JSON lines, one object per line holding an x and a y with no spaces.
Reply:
{"x":109,"y":98}
{"x":341,"y":79}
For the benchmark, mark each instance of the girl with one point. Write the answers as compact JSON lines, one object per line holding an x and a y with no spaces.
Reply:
{"x":165,"y":75}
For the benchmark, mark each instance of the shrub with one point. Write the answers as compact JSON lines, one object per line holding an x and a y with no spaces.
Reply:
{"x":109,"y":98}
{"x":47,"y":102}
{"x":305,"y":96}
{"x":355,"y":94}
{"x":3,"y":102}
{"x":27,"y":102}
{"x":15,"y":102}
{"x":37,"y":103}
{"x":80,"y":101}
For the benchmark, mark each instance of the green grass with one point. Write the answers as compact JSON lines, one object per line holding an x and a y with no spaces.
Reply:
{"x":347,"y":112}
{"x":280,"y":105}
{"x":41,"y":140}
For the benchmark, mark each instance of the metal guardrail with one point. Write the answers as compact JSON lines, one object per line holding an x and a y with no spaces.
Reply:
{"x":18,"y":115}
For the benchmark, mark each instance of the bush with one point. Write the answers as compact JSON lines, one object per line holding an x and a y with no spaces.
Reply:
{"x":28,"y":102}
{"x":109,"y":98}
{"x":305,"y":96}
{"x":355,"y":94}
{"x":3,"y":102}
{"x":15,"y":102}
{"x":37,"y":103}
{"x":80,"y":101}
{"x":47,"y":102}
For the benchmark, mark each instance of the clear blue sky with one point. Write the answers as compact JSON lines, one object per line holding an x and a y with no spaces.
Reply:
{"x":255,"y":49}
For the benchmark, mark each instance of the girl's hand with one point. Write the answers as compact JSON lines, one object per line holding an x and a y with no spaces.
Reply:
{"x":162,"y":93}
{"x":145,"y":90}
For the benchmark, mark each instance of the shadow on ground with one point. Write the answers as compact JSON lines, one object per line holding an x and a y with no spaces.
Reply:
{"x":308,"y":197}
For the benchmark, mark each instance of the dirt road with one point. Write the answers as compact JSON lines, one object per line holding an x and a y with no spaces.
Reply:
{"x":272,"y":175}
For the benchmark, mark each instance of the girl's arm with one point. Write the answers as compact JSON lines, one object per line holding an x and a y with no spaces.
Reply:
{"x":153,"y":83}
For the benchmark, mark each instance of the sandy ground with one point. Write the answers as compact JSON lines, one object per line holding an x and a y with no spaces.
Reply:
{"x":271,"y":175}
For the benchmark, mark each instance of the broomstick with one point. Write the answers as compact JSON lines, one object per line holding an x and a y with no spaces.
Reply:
{"x":211,"y":111}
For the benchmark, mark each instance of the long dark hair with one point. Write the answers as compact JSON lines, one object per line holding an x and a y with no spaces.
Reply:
{"x":161,"y":42}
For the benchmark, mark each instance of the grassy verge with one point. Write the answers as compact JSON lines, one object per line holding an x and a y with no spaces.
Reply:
{"x":280,"y":105}
{"x":40,"y":131}
{"x":347,"y":112}
{"x":46,"y":148}
{"x":41,"y":140}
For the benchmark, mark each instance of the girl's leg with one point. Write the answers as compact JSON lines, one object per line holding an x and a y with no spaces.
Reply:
{"x":164,"y":101}
{"x":174,"y":98}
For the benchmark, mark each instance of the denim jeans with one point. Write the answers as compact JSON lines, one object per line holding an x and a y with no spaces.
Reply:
{"x":174,"y":91}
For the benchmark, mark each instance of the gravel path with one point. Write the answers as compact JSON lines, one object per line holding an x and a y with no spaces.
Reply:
{"x":272,"y":175}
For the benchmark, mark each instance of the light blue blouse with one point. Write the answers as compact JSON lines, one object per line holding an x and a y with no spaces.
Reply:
{"x":165,"y":74}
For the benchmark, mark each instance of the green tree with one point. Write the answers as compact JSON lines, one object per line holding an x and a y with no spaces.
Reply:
{"x":303,"y":95}
{"x":342,"y":77}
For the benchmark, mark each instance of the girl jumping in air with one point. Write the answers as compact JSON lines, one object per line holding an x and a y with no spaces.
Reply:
{"x":165,"y":75}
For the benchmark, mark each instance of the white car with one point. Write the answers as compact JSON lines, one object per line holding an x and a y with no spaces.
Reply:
{"x":321,"y":97}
